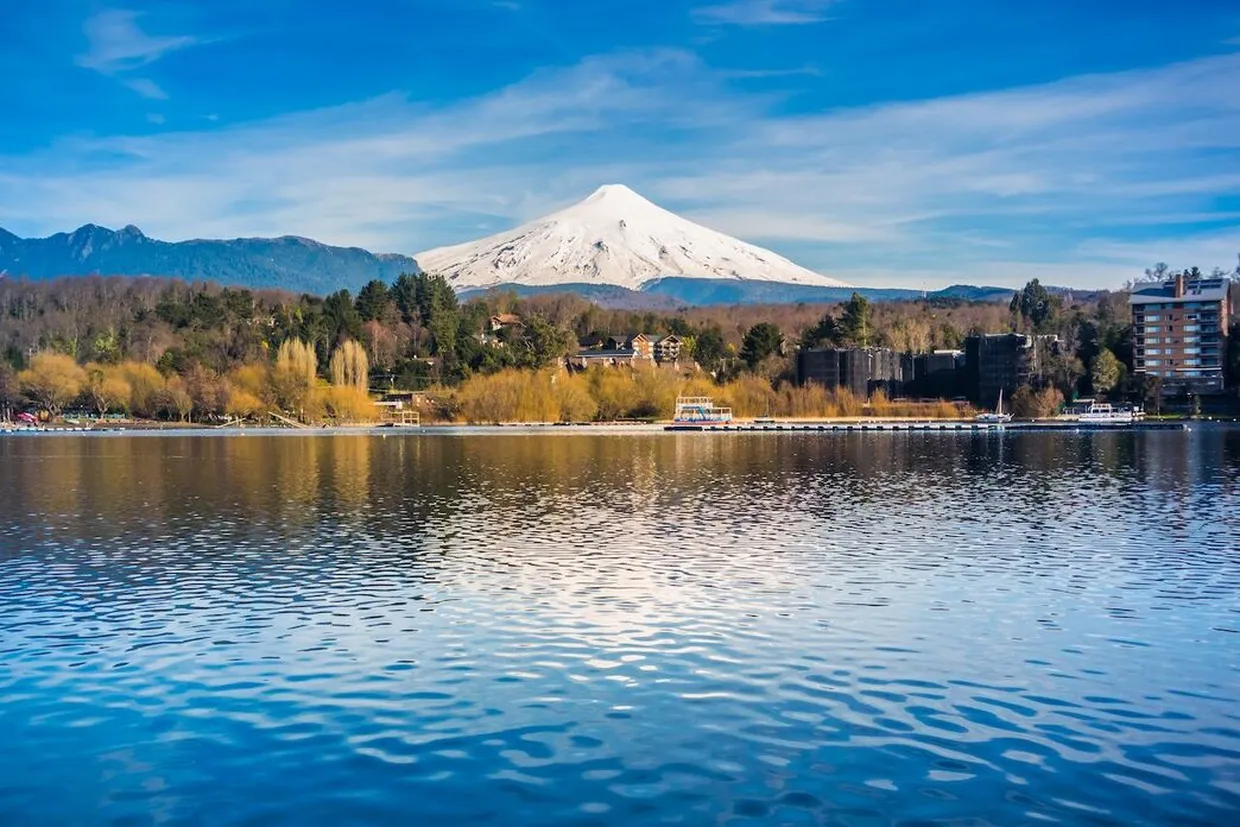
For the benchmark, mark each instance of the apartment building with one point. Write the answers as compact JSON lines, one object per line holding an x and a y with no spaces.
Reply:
{"x":1180,"y":333}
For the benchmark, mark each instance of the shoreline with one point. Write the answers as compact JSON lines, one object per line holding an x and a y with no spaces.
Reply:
{"x":785,"y":426}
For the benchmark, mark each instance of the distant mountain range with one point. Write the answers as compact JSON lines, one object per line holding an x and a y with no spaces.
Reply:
{"x":614,"y":248}
{"x":288,"y":262}
{"x":677,"y":292}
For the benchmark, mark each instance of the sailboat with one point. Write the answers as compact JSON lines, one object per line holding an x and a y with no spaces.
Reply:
{"x":998,"y":417}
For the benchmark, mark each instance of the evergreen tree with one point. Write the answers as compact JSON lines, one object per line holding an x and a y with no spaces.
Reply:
{"x":826,"y":333}
{"x":761,"y":342}
{"x":1035,"y":305}
{"x":710,"y":348}
{"x":405,"y":293}
{"x":343,"y":320}
{"x":855,"y":325}
{"x":374,"y":302}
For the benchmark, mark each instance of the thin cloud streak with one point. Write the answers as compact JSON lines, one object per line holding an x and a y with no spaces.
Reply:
{"x":117,"y":44}
{"x":147,"y":88}
{"x":764,"y":12}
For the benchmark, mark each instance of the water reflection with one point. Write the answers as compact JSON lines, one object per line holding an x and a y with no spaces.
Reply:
{"x":871,"y":629}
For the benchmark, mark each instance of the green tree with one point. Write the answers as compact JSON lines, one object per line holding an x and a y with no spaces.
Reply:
{"x":545,"y":342}
{"x":760,"y":343}
{"x":1104,"y":373}
{"x":107,"y":346}
{"x":709,"y":348}
{"x":405,"y":293}
{"x":825,"y":333}
{"x":855,"y":323}
{"x":1035,"y":305}
{"x":343,"y":320}
{"x":374,"y":302}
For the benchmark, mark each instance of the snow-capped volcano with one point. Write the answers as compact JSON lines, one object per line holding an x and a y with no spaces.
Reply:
{"x":613,"y":237}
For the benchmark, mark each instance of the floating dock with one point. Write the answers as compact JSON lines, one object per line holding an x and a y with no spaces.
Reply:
{"x":939,"y":427}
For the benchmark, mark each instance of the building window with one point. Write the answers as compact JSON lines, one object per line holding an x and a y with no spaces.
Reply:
{"x":1154,"y":329}
{"x":1191,"y":340}
{"x":1191,"y":328}
{"x":1153,"y":340}
{"x":1189,"y":351}
{"x":1153,"y":317}
{"x":1153,"y":351}
{"x":1153,"y":363}
{"x":1192,"y":362}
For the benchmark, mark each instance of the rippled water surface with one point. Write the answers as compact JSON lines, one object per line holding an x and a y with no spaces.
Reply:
{"x":692,"y":629}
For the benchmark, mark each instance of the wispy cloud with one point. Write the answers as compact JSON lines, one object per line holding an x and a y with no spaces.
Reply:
{"x":116,"y":44}
{"x":764,"y":12}
{"x":1084,"y":181}
{"x":147,"y":88}
{"x":768,"y":74}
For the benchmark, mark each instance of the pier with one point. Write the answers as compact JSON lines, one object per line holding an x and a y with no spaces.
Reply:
{"x":938,"y":427}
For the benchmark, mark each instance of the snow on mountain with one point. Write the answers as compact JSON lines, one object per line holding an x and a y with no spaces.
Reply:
{"x":613,"y":237}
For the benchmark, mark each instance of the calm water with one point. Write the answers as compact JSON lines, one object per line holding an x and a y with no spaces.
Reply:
{"x":621,"y":630}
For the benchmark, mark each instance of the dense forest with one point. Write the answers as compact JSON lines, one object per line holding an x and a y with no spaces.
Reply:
{"x":167,"y":349}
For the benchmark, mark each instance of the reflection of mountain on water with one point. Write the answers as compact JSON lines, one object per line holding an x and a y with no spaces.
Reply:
{"x":416,"y":491}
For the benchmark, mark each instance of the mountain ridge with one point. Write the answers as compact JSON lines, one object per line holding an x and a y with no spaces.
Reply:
{"x":672,"y":293}
{"x":286,"y":262}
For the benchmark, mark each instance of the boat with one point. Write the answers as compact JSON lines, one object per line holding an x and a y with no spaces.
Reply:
{"x":1104,"y":413}
{"x":700,"y":410}
{"x":996,"y":418}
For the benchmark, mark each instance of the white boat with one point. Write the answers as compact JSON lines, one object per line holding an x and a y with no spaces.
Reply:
{"x":1104,"y":413}
{"x":998,"y":417}
{"x":700,"y":410}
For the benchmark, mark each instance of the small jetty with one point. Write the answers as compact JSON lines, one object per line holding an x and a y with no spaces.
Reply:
{"x":938,"y":427}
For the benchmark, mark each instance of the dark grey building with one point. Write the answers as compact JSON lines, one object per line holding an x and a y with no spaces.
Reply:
{"x":938,"y":375}
{"x":862,"y":371}
{"x":1002,"y":362}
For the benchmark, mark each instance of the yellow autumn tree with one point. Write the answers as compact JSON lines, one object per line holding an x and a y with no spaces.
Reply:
{"x":350,"y":366}
{"x":145,"y":383}
{"x":107,"y":389}
{"x":294,"y":376}
{"x":348,"y":404}
{"x":52,"y":381}
{"x":572,"y":395}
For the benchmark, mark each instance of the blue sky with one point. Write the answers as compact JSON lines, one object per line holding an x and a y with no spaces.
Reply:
{"x":884,"y":142}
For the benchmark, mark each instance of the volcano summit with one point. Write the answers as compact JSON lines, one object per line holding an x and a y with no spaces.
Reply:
{"x":614,"y":237}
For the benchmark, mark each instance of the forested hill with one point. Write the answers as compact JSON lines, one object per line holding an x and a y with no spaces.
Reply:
{"x":288,"y":262}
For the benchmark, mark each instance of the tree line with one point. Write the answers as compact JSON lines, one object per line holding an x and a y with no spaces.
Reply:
{"x":167,"y":349}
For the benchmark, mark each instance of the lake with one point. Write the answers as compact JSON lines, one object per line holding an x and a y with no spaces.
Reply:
{"x":620,"y":629}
